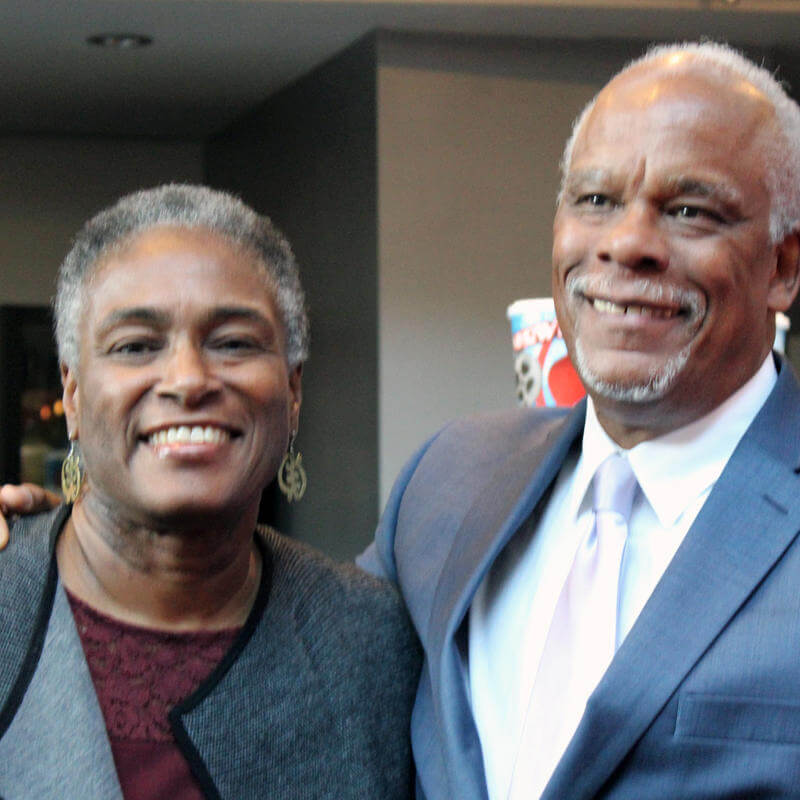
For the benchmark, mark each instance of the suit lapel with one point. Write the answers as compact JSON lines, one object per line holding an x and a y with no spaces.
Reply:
{"x":508,"y":498}
{"x":750,"y":518}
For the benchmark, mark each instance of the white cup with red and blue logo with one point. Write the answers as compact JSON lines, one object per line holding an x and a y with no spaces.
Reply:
{"x":544,"y":374}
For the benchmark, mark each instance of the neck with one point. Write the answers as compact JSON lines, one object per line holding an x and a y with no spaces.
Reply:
{"x":629,"y":423}
{"x":180,"y":579}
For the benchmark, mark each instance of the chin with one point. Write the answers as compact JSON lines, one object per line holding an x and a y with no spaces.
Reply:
{"x":191,"y":510}
{"x":653,"y":385}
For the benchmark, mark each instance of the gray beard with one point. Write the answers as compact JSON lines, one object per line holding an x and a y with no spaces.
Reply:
{"x":661,"y":380}
{"x":658,"y":383}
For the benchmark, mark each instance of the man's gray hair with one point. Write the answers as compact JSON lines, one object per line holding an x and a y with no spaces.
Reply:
{"x":183,"y":206}
{"x":781,"y":151}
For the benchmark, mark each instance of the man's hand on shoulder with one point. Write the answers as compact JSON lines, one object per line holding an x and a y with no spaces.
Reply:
{"x":26,"y":498}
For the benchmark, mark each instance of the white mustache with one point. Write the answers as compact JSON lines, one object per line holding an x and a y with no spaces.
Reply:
{"x":641,"y":290}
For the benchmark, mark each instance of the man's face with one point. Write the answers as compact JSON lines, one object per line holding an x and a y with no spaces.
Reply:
{"x":665,"y":279}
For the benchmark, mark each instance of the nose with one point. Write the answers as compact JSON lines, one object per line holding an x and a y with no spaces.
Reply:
{"x":634,"y":239}
{"x":187,"y":377}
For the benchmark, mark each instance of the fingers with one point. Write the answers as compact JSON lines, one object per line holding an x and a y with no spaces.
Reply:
{"x":49,"y":500}
{"x":21,"y":498}
{"x":13,"y":500}
{"x":34,"y":499}
{"x":26,"y":498}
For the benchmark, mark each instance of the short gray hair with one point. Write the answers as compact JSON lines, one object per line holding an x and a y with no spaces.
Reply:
{"x":781,"y":152}
{"x":183,"y":206}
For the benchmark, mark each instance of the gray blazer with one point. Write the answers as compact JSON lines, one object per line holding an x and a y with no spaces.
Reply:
{"x":312,"y":701}
{"x":702,"y":700}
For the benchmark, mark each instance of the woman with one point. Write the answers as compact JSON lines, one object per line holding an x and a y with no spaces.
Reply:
{"x":154,"y":644}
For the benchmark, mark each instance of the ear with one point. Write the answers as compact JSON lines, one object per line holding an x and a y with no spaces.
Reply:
{"x":785,"y":279}
{"x":296,"y":395}
{"x":71,"y":399}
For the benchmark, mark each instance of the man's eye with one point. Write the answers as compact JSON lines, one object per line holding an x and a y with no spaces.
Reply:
{"x":596,"y":200}
{"x":694,"y":212}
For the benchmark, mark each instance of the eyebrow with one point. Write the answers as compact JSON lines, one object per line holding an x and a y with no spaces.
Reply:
{"x":160,"y":319}
{"x":140,"y":314}
{"x":225,"y":313}
{"x":720,"y":192}
{"x":595,"y":175}
{"x":673,"y":185}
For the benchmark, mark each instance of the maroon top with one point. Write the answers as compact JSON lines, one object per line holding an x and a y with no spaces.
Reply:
{"x":139,"y":674}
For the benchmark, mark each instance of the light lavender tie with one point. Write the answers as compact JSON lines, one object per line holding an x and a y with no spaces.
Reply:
{"x":582,"y":637}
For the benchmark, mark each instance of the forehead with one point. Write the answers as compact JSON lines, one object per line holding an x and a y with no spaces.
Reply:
{"x":683,"y":122}
{"x":178,"y":268}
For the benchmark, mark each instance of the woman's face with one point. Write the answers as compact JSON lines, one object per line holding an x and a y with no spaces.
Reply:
{"x":183,"y":401}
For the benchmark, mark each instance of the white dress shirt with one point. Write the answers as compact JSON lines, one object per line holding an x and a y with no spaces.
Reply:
{"x":512,"y":609}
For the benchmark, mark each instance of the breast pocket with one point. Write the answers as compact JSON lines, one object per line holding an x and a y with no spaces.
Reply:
{"x":731,"y":718}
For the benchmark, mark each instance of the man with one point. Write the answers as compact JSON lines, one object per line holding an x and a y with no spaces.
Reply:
{"x":675,"y":242}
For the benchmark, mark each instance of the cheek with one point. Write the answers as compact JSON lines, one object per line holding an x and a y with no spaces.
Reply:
{"x":272,"y":404}
{"x":106,"y":411}
{"x":725,"y":273}
{"x":569,"y":250}
{"x":570,"y":244}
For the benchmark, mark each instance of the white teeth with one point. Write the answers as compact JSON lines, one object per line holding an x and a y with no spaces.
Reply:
{"x":212,"y":435}
{"x":183,"y":434}
{"x":607,"y":307}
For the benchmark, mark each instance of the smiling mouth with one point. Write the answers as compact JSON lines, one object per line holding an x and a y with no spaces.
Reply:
{"x":637,"y":298}
{"x":632,"y":309}
{"x":188,"y":434}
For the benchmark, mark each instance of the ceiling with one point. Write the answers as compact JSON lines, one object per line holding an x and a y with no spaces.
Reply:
{"x":212,"y":60}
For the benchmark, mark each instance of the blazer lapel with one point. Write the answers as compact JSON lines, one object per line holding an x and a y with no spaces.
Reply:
{"x":509,"y":497}
{"x":56,"y":745}
{"x":750,"y":518}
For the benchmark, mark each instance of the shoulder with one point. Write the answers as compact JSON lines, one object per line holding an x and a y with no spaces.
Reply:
{"x":33,"y":533}
{"x":25,"y":562}
{"x":28,"y":578}
{"x":333,"y":597}
{"x":332,"y":666}
{"x":496,"y":428}
{"x":471,"y":446}
{"x":443,"y":479}
{"x":464,"y":453}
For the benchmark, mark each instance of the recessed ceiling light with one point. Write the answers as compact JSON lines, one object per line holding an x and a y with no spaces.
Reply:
{"x":120,"y":41}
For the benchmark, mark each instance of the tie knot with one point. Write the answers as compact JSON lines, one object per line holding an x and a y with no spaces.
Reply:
{"x":614,"y":486}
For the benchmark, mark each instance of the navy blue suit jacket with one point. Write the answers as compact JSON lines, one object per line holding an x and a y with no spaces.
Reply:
{"x":702,"y":700}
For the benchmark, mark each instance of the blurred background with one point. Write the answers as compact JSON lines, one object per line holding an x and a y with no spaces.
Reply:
{"x":409,"y":150}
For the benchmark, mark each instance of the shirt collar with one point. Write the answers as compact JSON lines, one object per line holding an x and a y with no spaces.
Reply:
{"x":675,"y":469}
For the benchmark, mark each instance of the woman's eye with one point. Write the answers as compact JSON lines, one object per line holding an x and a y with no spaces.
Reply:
{"x":134,"y":347}
{"x":235,"y":345}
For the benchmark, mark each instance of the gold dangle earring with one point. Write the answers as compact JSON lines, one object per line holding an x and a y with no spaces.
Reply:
{"x":292,"y":478}
{"x":71,"y":475}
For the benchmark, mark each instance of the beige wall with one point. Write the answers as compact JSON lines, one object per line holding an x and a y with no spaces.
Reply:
{"x":469,"y":144}
{"x":51,"y":185}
